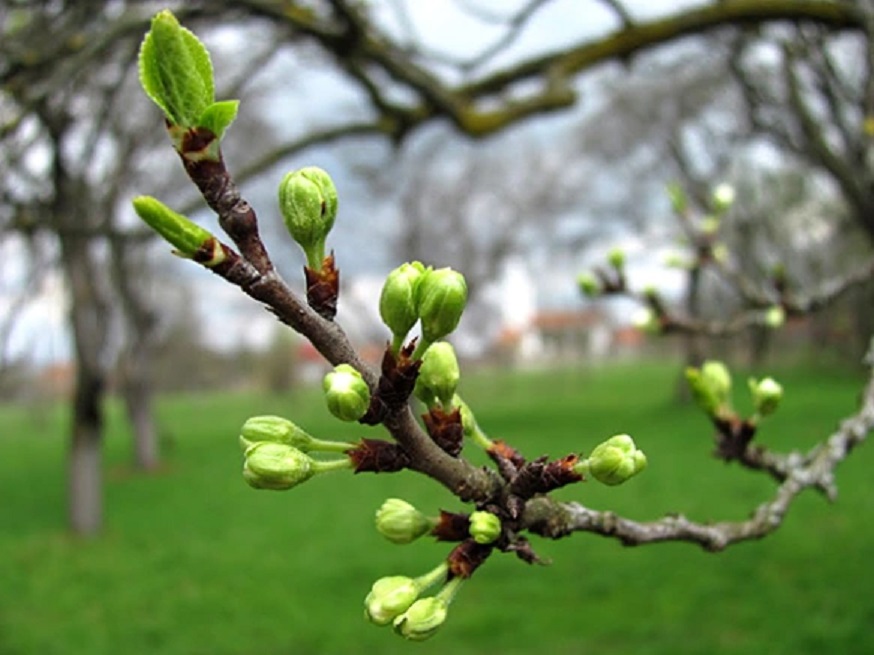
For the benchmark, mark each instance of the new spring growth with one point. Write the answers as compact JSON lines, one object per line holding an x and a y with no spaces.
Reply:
{"x":616,"y":258}
{"x":711,"y":388}
{"x":278,"y":466}
{"x":346,"y":393}
{"x":391,"y":596}
{"x":438,"y":376}
{"x":176,"y":73}
{"x":308,"y":202}
{"x":280,"y":430}
{"x":187,"y":237}
{"x":442,"y":296}
{"x":766,"y":394}
{"x":589,"y":284}
{"x":722,"y":198}
{"x":425,"y":616}
{"x":398,"y":302}
{"x":400,"y":522}
{"x":485,"y":527}
{"x":774,"y":317}
{"x":613,"y":461}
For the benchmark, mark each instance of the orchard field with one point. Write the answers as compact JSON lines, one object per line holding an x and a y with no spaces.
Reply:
{"x":192,"y":561}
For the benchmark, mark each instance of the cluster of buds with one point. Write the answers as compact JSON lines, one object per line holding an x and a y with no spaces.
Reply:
{"x":415,"y":293}
{"x":614,"y":461}
{"x":605,"y":280}
{"x":276,"y":453}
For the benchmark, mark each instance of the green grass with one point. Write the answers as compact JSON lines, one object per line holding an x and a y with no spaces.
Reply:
{"x":193,"y":561}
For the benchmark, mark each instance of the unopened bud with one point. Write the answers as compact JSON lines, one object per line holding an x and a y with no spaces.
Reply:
{"x":438,"y":376}
{"x":390,"y":597}
{"x":589,"y":284}
{"x":722,"y":198}
{"x":276,"y":466}
{"x":775,"y":317}
{"x":346,"y":393}
{"x":485,"y":527}
{"x":308,"y":202}
{"x":645,"y":319}
{"x":398,"y":300}
{"x":424,"y":617}
{"x":614,"y":461}
{"x":280,"y":430}
{"x":767,"y":394}
{"x":616,"y":258}
{"x":442,"y":296}
{"x":400,"y":522}
{"x":711,"y":387}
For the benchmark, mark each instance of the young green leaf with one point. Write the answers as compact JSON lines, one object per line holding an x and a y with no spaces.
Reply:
{"x":218,"y":116}
{"x":176,"y":71}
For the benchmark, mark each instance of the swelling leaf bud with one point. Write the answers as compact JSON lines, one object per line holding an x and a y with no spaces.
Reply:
{"x":589,"y":285}
{"x":276,"y":466}
{"x":308,"y":202}
{"x":614,"y":461}
{"x":442,"y":296}
{"x":485,"y":527}
{"x":711,"y":387}
{"x":346,"y":393}
{"x":397,"y":302}
{"x":616,"y":258}
{"x":389,"y":598}
{"x":439,"y":374}
{"x":187,"y":237}
{"x":767,"y":394}
{"x":400,"y":522}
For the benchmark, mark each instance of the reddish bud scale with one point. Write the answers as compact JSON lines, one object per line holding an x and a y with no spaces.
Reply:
{"x":377,"y":456}
{"x":540,"y":476}
{"x":323,"y":288}
{"x":451,"y":527}
{"x":502,"y":450}
{"x":733,"y":437}
{"x":396,"y":382}
{"x":467,"y":557}
{"x":445,"y":429}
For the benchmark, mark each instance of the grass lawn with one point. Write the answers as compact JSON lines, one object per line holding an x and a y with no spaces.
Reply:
{"x":195,"y":562}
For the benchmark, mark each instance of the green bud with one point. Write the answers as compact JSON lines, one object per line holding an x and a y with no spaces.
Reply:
{"x":711,"y":387}
{"x":397,"y":302}
{"x":442,"y":295}
{"x":775,"y":317}
{"x":175,"y":71}
{"x":400,"y":522}
{"x":616,"y":257}
{"x":722,"y":198}
{"x":709,"y":225}
{"x":645,"y":319}
{"x":677,"y":196}
{"x":281,"y":430}
{"x":767,"y":394}
{"x":182,"y":233}
{"x":589,"y":284}
{"x":677,"y":260}
{"x":485,"y":527}
{"x":720,"y":253}
{"x":439,"y":375}
{"x":346,"y":393}
{"x":308,"y":202}
{"x":614,"y":461}
{"x":276,"y":466}
{"x":389,"y":598}
{"x":425,"y":616}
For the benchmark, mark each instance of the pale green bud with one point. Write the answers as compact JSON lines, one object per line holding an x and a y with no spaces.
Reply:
{"x":614,"y":461}
{"x":346,"y":393}
{"x":677,"y":260}
{"x":485,"y":527}
{"x":280,"y":430}
{"x":645,"y":319}
{"x":400,"y":522}
{"x":616,"y":258}
{"x":438,"y":375}
{"x":722,"y":198}
{"x":276,"y":466}
{"x":442,"y":296}
{"x":308,"y":202}
{"x":710,"y":386}
{"x":767,"y":394}
{"x":423,"y":618}
{"x":720,"y":253}
{"x":589,"y":284}
{"x":775,"y":317}
{"x":187,"y":237}
{"x":709,"y":225}
{"x":398,"y":300}
{"x":389,"y":598}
